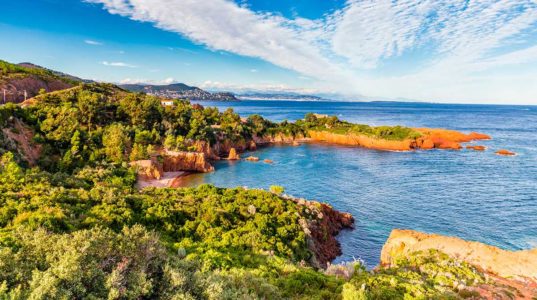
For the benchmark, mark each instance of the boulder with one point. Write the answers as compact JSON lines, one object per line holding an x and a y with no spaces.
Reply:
{"x":268,"y":161}
{"x":476,"y":147}
{"x":252,"y":158}
{"x":505,"y":152}
{"x":233,"y":155}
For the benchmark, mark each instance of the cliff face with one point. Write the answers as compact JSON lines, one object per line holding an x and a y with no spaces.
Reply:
{"x":18,"y":137}
{"x":186,"y":161}
{"x":148,"y":169}
{"x":515,"y":265}
{"x":155,"y":167}
{"x":15,"y":87}
{"x":321,"y":225}
{"x":361,"y":140}
{"x":445,"y":139}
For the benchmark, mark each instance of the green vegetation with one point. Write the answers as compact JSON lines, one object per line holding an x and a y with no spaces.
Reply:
{"x":9,"y":70}
{"x":334,"y":125}
{"x":92,"y":233}
{"x":74,"y":225}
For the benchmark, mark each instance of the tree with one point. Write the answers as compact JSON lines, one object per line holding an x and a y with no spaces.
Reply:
{"x":116,"y":142}
{"x":89,"y":106}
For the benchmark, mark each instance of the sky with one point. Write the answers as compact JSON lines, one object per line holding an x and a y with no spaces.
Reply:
{"x":452,"y":51}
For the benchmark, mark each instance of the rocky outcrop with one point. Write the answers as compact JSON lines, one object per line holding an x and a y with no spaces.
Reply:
{"x":279,"y":138}
{"x":429,"y":139}
{"x":516,"y":265}
{"x":148,"y":169}
{"x":186,"y":161}
{"x":505,"y":152}
{"x":322,"y":224}
{"x":170,"y":161}
{"x":252,"y":158}
{"x":361,"y":140}
{"x":16,"y":136}
{"x":476,"y":147}
{"x":233,"y":155}
{"x":23,"y":87}
{"x":445,"y":139}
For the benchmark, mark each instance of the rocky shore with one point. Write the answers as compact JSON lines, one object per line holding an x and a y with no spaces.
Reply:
{"x":514,"y":271}
{"x":429,"y":139}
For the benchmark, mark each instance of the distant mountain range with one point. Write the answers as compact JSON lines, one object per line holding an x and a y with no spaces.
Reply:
{"x":278,"y":96}
{"x":179,"y":91}
{"x":23,"y":81}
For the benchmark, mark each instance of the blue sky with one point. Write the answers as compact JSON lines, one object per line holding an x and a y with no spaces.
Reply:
{"x":441,"y":51}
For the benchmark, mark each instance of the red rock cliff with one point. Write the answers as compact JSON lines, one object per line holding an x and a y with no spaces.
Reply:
{"x":430,"y":139}
{"x":186,"y":161}
{"x":520,"y":265}
{"x":322,"y":225}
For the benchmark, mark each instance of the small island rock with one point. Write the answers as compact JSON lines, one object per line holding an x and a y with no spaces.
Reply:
{"x":476,"y":147}
{"x":233,"y":155}
{"x":504,"y":152}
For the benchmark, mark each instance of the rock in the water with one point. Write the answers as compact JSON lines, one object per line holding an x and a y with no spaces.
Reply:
{"x":252,"y":158}
{"x":476,"y":147}
{"x":233,"y":155}
{"x":268,"y":161}
{"x":505,"y":152}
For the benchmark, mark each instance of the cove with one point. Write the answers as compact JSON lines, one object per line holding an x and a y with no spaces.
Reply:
{"x":472,"y":195}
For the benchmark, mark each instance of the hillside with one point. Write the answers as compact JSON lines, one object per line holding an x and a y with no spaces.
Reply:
{"x":179,"y":91}
{"x":18,"y":82}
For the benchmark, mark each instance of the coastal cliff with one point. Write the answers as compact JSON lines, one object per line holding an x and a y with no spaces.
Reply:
{"x":509,"y":264}
{"x":428,"y":139}
{"x":351,"y":139}
{"x":516,"y":269}
{"x":186,"y":161}
{"x":322,"y":224}
{"x":155,"y":167}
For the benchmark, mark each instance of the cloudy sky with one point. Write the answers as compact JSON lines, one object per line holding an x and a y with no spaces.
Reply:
{"x":459,"y":51}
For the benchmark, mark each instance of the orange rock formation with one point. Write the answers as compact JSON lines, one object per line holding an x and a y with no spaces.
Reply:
{"x":505,"y":152}
{"x":233,"y":155}
{"x":476,"y":147}
{"x":520,"y":265}
{"x":430,"y":139}
{"x":186,"y":161}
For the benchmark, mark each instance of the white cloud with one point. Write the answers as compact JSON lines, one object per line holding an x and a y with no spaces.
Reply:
{"x":266,"y":87}
{"x":93,"y":43}
{"x":223,"y":25}
{"x":118,"y":64}
{"x":147,"y":81}
{"x":456,"y":41}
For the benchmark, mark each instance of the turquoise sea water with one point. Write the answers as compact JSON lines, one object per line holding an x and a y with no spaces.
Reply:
{"x":473,"y":195}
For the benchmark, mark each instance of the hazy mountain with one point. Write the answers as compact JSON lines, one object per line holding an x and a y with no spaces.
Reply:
{"x":179,"y":91}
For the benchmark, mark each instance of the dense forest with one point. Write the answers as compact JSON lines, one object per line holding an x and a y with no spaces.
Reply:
{"x":74,"y":226}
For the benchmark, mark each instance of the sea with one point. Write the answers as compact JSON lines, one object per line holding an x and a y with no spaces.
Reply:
{"x":473,"y":195}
